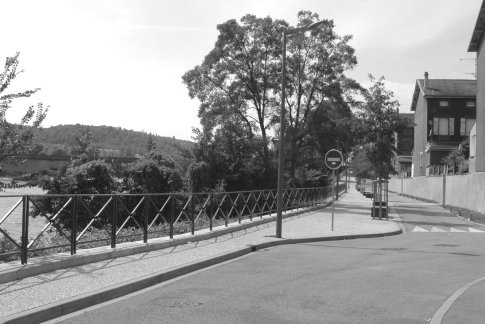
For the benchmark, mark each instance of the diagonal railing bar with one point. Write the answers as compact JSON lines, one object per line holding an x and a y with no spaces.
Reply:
{"x":159,"y":211}
{"x":203,"y":208}
{"x":256,"y":204}
{"x":51,"y":222}
{"x":10,"y":211}
{"x":246,"y":206}
{"x":266,"y":204}
{"x":10,"y":238}
{"x":231,"y":201}
{"x":287,"y":199}
{"x":219,"y":208}
{"x":93,"y":218}
{"x":130,"y":214}
{"x":273,"y":201}
{"x":183,"y":211}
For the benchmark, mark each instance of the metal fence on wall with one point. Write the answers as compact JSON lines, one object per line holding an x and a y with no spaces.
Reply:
{"x":72,"y":222}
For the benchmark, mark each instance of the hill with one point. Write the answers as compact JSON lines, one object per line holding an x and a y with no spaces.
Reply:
{"x":113,"y":142}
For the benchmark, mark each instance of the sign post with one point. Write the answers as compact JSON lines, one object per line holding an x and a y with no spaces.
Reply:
{"x":333,"y":160}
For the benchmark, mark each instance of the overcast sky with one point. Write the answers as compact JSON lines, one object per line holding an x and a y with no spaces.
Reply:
{"x":120,"y":62}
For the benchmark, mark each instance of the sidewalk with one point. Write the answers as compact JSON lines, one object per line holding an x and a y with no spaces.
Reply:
{"x":53,"y":294}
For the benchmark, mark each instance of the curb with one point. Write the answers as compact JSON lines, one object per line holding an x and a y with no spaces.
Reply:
{"x":54,"y":310}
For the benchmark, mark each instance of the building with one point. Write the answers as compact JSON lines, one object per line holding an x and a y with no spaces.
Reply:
{"x":404,"y":146}
{"x":477,"y":45}
{"x":444,"y":115}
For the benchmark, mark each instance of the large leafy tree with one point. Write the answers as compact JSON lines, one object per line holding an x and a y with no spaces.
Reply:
{"x":376,"y":125}
{"x":317,"y":89}
{"x":238,"y":81}
{"x":16,"y":138}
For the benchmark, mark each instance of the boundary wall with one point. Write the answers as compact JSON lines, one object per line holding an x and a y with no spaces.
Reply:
{"x":462,"y":191}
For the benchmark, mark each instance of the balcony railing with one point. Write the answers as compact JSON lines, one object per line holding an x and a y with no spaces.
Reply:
{"x":47,"y":224}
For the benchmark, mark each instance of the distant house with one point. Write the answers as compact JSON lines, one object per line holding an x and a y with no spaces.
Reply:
{"x":444,"y":115}
{"x":478,"y":45}
{"x":404,"y":146}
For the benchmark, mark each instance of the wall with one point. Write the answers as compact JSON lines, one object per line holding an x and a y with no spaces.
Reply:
{"x":420,"y":136}
{"x":465,"y":191}
{"x":430,"y":188}
{"x":480,"y":152}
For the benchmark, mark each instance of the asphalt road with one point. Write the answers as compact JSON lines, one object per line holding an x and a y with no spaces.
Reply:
{"x":401,"y":279}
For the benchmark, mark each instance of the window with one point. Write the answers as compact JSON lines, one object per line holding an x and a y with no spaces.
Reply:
{"x":443,"y":103}
{"x":466,"y":125}
{"x":470,"y":103}
{"x":443,"y":126}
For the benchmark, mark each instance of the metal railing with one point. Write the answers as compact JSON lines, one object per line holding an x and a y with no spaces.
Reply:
{"x":72,"y":222}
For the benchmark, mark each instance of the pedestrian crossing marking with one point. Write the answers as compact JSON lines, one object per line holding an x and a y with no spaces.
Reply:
{"x":435,"y":229}
{"x":457,"y":230}
{"x":474,"y":230}
{"x":418,"y":229}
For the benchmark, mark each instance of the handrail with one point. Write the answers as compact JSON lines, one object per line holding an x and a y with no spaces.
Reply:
{"x":116,"y":218}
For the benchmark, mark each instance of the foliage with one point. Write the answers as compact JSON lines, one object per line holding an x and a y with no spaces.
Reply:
{"x":375,"y":127}
{"x":16,"y":138}
{"x":198,"y":176}
{"x":83,"y":150}
{"x":457,"y":160}
{"x":316,"y":81}
{"x":361,"y":166}
{"x":237,"y":83}
{"x":232,"y":159}
{"x":85,"y":174}
{"x":154,"y":173}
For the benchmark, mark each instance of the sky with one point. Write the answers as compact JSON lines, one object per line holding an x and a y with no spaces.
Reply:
{"x":120,"y":62}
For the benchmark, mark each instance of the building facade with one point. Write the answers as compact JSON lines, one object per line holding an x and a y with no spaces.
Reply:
{"x":477,"y":45}
{"x":445,"y":112}
{"x":404,"y":146}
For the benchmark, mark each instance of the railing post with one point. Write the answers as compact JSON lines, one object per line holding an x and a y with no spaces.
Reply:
{"x":192,"y":218}
{"x":25,"y":229}
{"x":172,"y":211}
{"x":444,"y":184}
{"x":227,"y":214}
{"x":75,"y":213}
{"x":211,"y":210}
{"x":114,"y":221}
{"x":250,"y":207}
{"x":145,"y":220}
{"x":239,"y":213}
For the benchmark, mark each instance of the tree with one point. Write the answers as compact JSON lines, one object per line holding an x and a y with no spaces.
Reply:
{"x":154,"y":173}
{"x":151,"y":145}
{"x":376,"y":125}
{"x":16,"y":138}
{"x":238,"y":81}
{"x":316,"y":81}
{"x":83,"y":150}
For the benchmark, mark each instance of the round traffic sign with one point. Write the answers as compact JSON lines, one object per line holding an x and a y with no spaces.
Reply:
{"x":333,"y":159}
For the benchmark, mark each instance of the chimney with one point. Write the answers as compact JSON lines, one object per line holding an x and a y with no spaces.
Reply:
{"x":426,"y":79}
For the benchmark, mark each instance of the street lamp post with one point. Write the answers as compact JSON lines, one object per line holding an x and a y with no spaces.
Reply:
{"x":281,"y":160}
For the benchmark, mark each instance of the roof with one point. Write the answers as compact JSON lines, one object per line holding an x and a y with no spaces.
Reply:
{"x":477,"y":35}
{"x":444,"y":88}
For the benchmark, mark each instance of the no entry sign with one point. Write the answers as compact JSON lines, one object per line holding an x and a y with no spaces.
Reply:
{"x":333,"y":159}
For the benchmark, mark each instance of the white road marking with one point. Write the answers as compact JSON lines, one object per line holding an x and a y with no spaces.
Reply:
{"x":474,"y":230}
{"x":438,"y":316}
{"x":437,"y":229}
{"x":457,"y":230}
{"x":418,"y":229}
